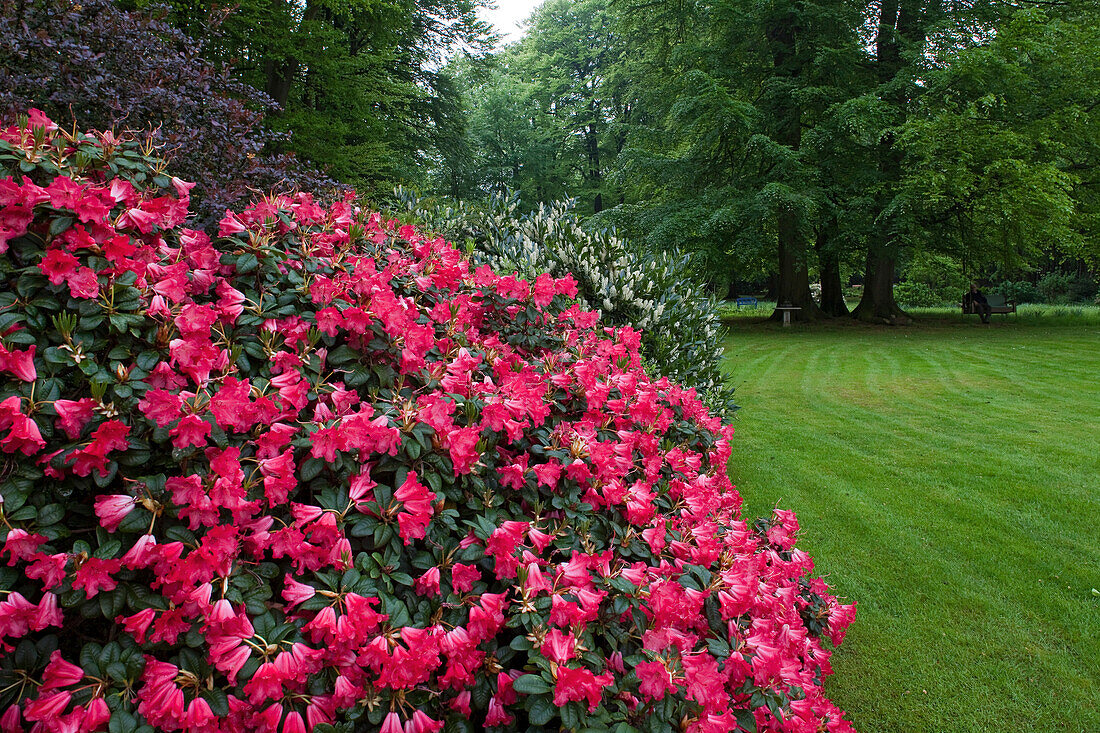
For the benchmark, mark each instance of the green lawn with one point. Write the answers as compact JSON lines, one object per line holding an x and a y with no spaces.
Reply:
{"x":947,"y":477}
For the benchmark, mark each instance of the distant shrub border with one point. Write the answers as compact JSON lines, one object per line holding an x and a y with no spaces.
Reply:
{"x":322,"y":474}
{"x":655,"y":292}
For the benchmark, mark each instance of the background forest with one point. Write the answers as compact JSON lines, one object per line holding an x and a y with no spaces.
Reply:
{"x":825,"y":153}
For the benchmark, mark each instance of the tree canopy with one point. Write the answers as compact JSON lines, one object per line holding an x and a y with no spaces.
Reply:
{"x":802,"y":140}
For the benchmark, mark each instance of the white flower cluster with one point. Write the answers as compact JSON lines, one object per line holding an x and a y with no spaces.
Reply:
{"x":653,"y":292}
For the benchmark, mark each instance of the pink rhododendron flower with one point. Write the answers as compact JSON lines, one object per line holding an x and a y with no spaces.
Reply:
{"x":19,"y":363}
{"x":111,"y":510}
{"x":559,"y":646}
{"x":83,"y":283}
{"x":417,"y":508}
{"x":95,"y":574}
{"x":18,"y":433}
{"x":58,"y":265}
{"x":73,"y":415}
{"x":580,"y":684}
{"x":428,"y":583}
{"x":21,"y":545}
{"x":463,"y":577}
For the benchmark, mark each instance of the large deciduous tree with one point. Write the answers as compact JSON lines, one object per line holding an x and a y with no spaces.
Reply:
{"x":729,"y":106}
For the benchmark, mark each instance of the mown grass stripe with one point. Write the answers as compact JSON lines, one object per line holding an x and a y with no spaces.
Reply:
{"x":946,"y":478}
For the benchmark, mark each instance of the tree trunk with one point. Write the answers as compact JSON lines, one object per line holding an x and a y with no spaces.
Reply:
{"x":279,"y":74}
{"x":898,"y":21}
{"x":771,"y":292}
{"x":832,"y":289}
{"x":595,"y":177}
{"x":277,"y":79}
{"x":794,"y":280}
{"x":877,"y":304}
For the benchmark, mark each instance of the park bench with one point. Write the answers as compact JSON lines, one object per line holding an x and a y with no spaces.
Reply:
{"x":745,"y":300}
{"x":997,"y":304}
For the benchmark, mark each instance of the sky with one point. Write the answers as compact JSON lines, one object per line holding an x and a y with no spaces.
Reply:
{"x":508,"y":15}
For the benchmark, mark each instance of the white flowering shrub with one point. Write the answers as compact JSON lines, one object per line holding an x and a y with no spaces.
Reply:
{"x":653,"y":291}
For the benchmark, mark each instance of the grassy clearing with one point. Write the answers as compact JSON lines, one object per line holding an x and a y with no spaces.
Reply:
{"x":947,"y":477}
{"x":1068,"y":315}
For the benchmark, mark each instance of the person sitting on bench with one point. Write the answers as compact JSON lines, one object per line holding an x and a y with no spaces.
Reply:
{"x":976,"y":303}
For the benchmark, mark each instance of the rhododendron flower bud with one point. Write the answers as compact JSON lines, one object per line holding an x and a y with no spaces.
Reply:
{"x":142,"y":554}
{"x":505,"y":692}
{"x":539,"y":539}
{"x":159,"y":308}
{"x":230,"y":225}
{"x":112,"y":509}
{"x":536,"y":582}
{"x":304,"y":513}
{"x":341,"y":557}
{"x":47,"y":613}
{"x":11,"y":720}
{"x":417,"y":508}
{"x":221,"y":611}
{"x":323,"y":626}
{"x":198,"y":714}
{"x":271,"y":716}
{"x":361,"y":486}
{"x":183,"y":188}
{"x":497,"y":715}
{"x":231,"y":661}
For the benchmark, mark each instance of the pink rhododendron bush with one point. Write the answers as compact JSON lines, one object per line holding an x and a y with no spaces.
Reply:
{"x":320,"y":474}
